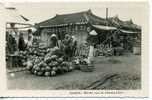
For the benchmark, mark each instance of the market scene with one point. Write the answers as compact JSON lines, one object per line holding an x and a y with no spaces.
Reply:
{"x":72,"y":51}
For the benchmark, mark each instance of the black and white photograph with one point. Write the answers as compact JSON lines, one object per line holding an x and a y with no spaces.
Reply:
{"x":74,"y":46}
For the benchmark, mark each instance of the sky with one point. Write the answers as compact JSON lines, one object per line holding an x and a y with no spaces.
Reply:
{"x":41,"y":11}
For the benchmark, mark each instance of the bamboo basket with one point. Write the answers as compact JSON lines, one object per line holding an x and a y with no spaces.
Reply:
{"x":86,"y":68}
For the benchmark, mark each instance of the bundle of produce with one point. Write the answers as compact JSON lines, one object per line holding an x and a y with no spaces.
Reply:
{"x":81,"y":63}
{"x":87,"y":68}
{"x":78,"y":61}
{"x":22,"y":53}
{"x":37,"y":51}
{"x":20,"y":58}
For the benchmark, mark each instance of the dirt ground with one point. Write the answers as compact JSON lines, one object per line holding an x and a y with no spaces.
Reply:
{"x":127,"y":69}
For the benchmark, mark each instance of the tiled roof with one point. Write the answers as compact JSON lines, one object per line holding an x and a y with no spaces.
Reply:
{"x":128,"y":25}
{"x":66,"y":19}
{"x":88,"y":16}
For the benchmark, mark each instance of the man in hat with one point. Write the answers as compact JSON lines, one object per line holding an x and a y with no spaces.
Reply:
{"x":92,"y":33}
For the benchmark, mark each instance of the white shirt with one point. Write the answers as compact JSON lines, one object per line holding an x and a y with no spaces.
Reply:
{"x":91,"y":52}
{"x":29,"y":43}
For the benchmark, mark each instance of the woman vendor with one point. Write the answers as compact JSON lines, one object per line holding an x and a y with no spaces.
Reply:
{"x":54,"y":41}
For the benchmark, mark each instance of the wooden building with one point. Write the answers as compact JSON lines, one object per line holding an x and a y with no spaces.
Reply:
{"x":76,"y":24}
{"x":129,"y":33}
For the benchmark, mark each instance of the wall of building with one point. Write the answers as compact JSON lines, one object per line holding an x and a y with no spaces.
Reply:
{"x":45,"y":37}
{"x":80,"y":33}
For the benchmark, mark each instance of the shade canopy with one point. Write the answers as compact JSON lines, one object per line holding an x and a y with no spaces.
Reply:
{"x":104,"y":27}
{"x":126,"y":31}
{"x":12,"y":16}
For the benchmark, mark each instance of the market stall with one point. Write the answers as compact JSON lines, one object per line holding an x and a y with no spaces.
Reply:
{"x":14,"y":24}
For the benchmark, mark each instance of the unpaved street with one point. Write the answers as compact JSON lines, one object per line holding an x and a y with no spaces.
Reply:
{"x":127,"y":68}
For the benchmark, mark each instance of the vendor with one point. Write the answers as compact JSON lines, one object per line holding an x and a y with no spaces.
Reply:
{"x":54,"y":41}
{"x":74,"y":45}
{"x":67,"y":47}
{"x":11,"y":46}
{"x":21,"y":43}
{"x":91,"y":44}
{"x":30,"y":38}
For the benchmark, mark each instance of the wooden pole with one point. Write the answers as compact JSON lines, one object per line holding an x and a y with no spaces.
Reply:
{"x":106,"y":13}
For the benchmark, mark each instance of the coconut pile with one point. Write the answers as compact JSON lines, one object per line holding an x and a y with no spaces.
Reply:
{"x":47,"y":62}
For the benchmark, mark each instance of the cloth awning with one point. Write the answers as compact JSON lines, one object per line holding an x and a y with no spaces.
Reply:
{"x":104,"y":27}
{"x":13,"y":16}
{"x":127,"y":31}
{"x":19,"y":26}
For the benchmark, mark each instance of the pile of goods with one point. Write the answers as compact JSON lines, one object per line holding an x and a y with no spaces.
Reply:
{"x":18,"y":59}
{"x":46,"y":63}
{"x":51,"y":62}
{"x":81,"y":63}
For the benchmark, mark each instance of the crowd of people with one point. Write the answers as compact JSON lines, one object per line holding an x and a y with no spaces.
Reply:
{"x":15,"y":41}
{"x":68,"y":45}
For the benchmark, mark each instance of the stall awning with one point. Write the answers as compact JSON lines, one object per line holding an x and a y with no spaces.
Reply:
{"x":104,"y":27}
{"x":126,"y":31}
{"x":13,"y":16}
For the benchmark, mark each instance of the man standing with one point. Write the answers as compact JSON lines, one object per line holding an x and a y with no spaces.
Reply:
{"x":11,"y":43}
{"x":74,"y":45}
{"x":21,"y":43}
{"x":92,"y":33}
{"x":67,"y":47}
{"x":30,"y":38}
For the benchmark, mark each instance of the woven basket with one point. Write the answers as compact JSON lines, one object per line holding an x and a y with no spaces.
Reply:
{"x":86,"y":68}
{"x":77,"y":67}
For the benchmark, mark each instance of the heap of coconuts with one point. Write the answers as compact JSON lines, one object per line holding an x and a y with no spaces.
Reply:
{"x":49,"y":63}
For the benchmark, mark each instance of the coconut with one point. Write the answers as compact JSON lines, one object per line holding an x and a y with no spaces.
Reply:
{"x":42,"y":69}
{"x":50,"y":64}
{"x":54,"y":68}
{"x":65,"y":68}
{"x":47,"y":73}
{"x":47,"y":68}
{"x":29,"y":65}
{"x":35,"y":72}
{"x":40,"y":73}
{"x":60,"y":60}
{"x":58,"y":68}
{"x":37,"y":68}
{"x":71,"y":68}
{"x":53,"y":73}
